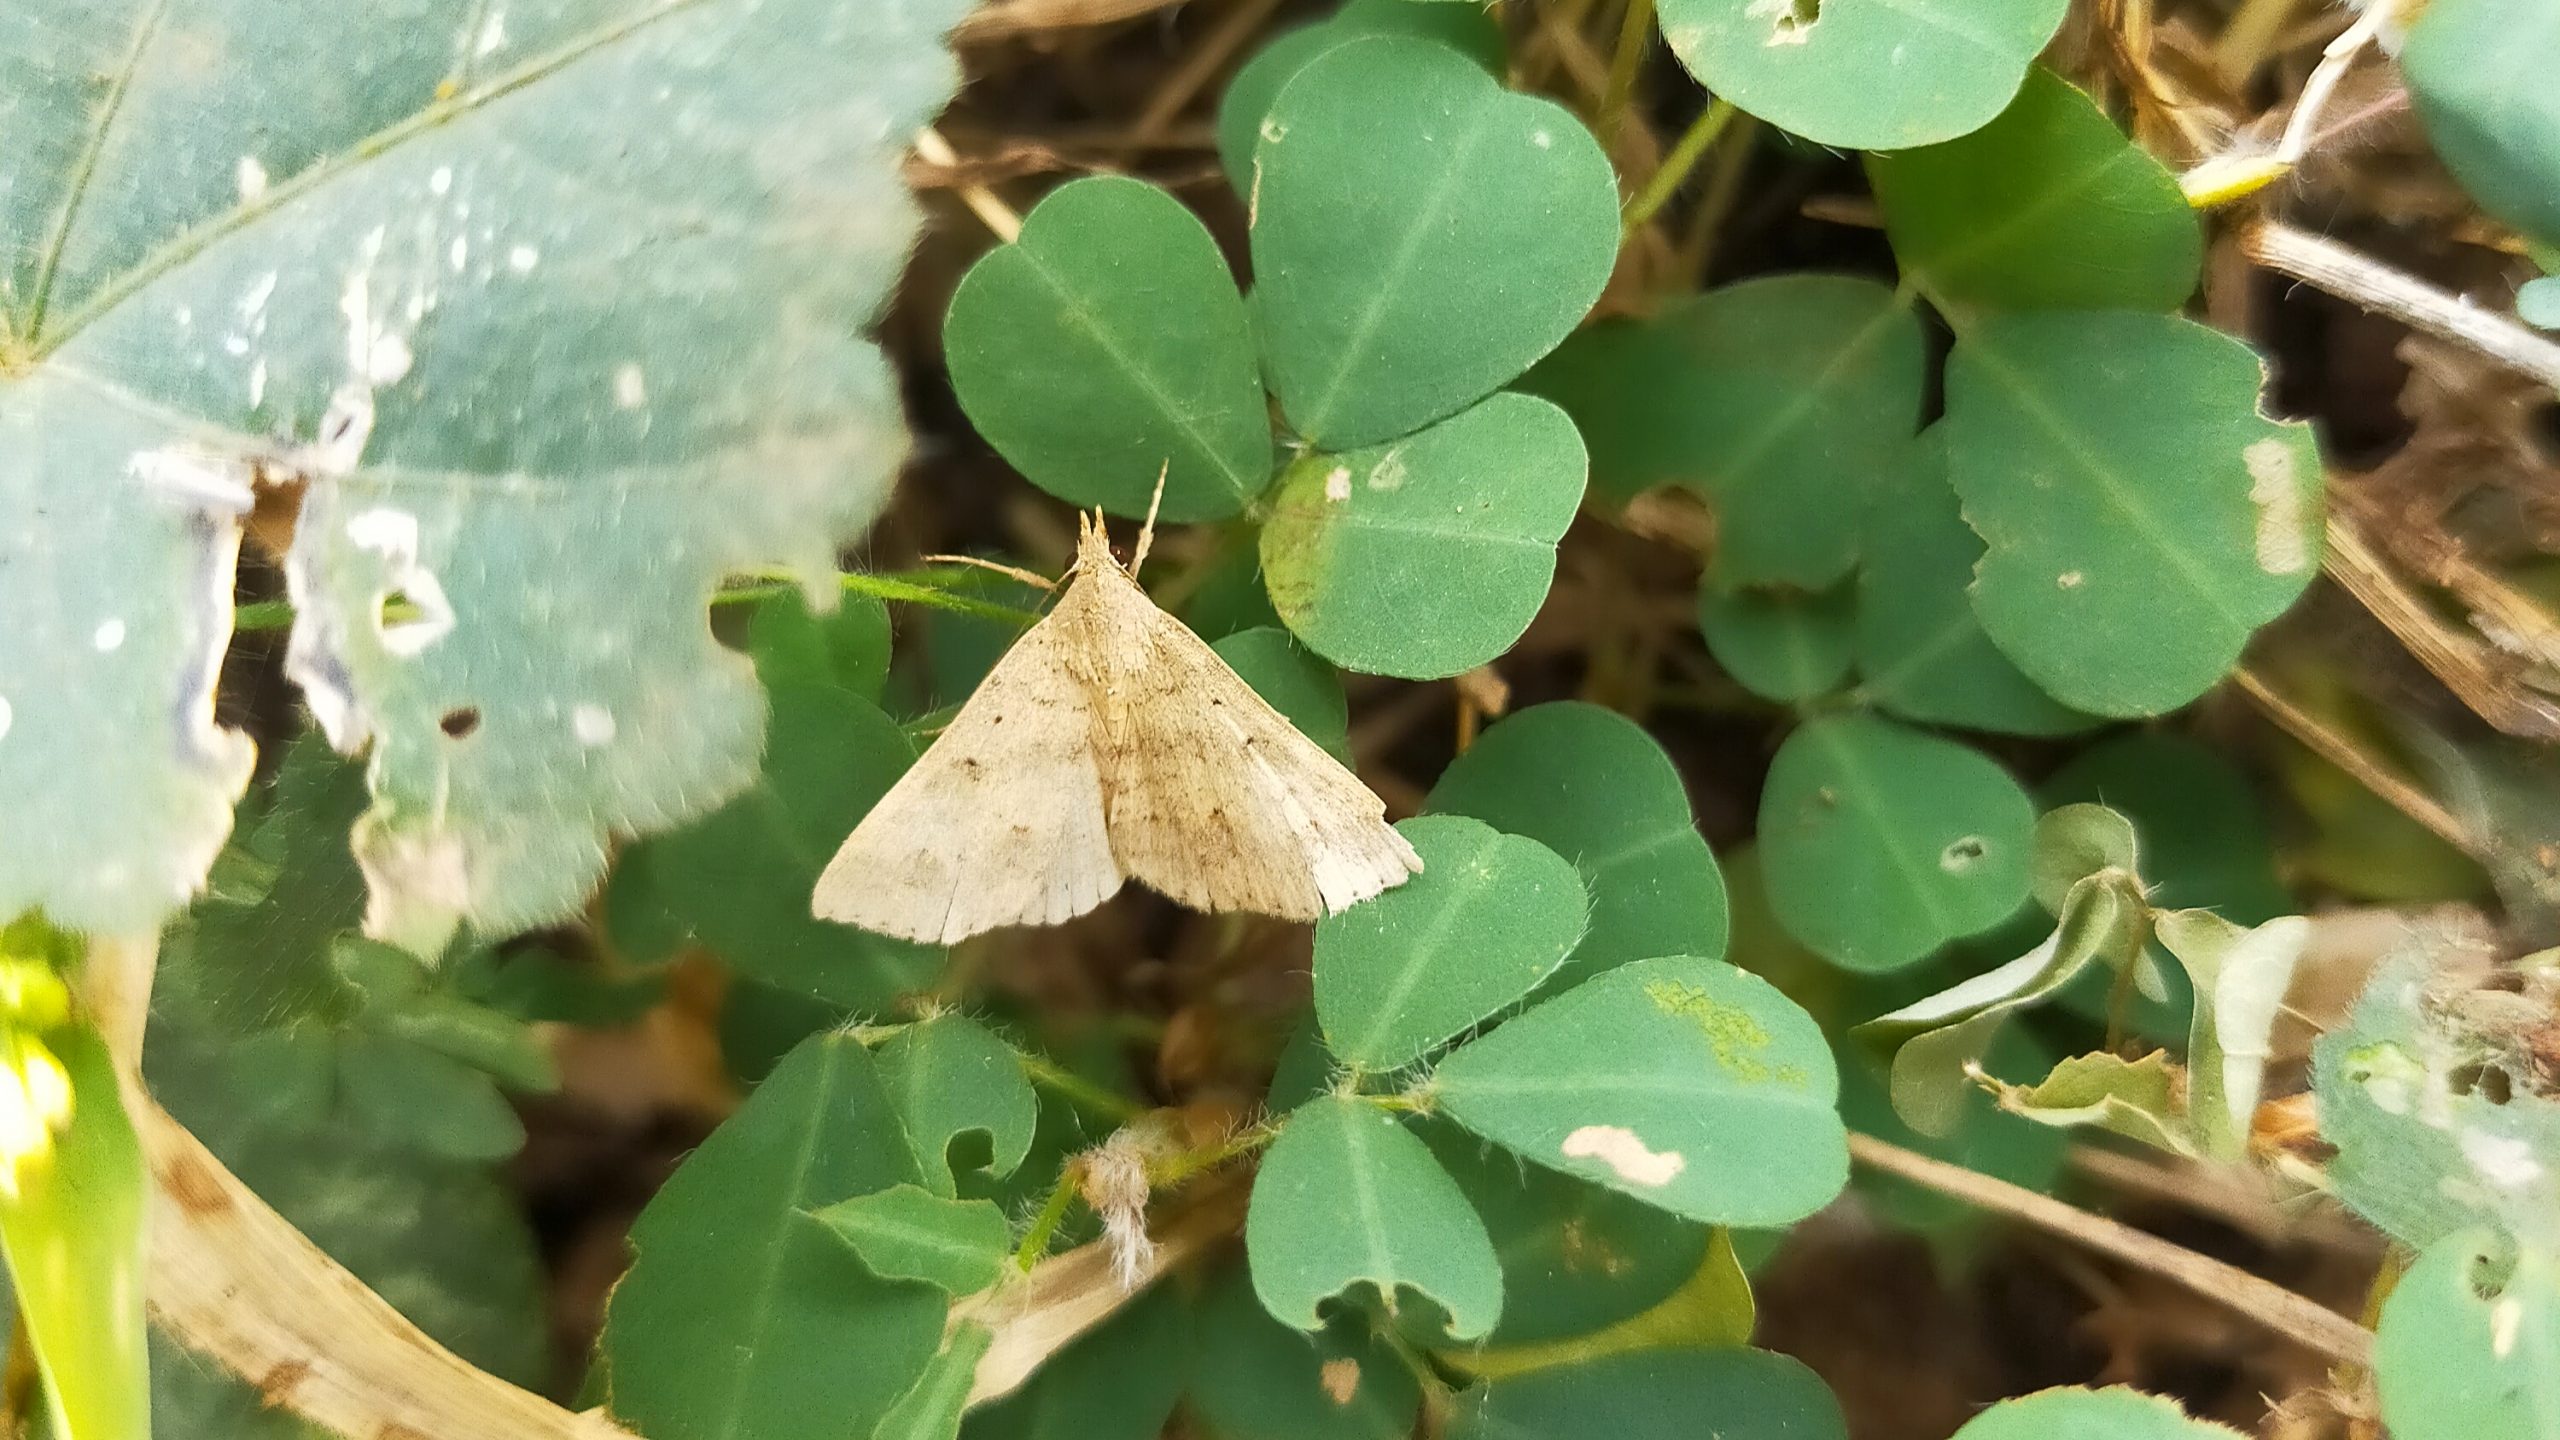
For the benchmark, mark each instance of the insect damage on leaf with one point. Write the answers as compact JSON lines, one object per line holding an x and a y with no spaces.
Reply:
{"x":1622,"y":1150}
{"x":2276,"y":493}
{"x":1111,"y":744}
{"x":1791,"y":21}
{"x":1736,"y":1038}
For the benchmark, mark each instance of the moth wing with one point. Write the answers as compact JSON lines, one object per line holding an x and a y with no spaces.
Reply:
{"x":1213,"y":797}
{"x":999,"y":823}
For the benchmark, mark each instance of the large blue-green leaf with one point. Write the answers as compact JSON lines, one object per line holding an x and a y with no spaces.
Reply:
{"x":554,"y":312}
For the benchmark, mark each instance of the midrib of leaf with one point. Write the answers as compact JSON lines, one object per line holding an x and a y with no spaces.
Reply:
{"x":1946,"y":22}
{"x":1382,"y":1264}
{"x":1423,"y":945}
{"x":1392,"y":525}
{"x":1783,"y":420}
{"x":1695,"y":1085}
{"x":187,"y":246}
{"x":769,"y":1278}
{"x":1859,"y":786}
{"x":1636,"y":849}
{"x":84,"y":168}
{"x":2107,"y":488}
{"x":1975,"y":242}
{"x":1183,"y":418}
{"x":1915,"y":660}
{"x":1365,"y":324}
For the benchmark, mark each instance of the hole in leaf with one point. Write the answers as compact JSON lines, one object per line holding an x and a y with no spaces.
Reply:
{"x":1791,"y":20}
{"x":1962,"y":855}
{"x":2489,"y":1082}
{"x":459,"y":722}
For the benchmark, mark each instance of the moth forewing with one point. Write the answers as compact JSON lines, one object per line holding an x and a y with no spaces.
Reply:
{"x":1000,"y":822}
{"x":1111,"y":743}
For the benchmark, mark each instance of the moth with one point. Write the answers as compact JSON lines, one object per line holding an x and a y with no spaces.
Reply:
{"x":1111,"y":744}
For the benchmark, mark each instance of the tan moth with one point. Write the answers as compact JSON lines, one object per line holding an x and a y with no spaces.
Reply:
{"x":1111,"y":744}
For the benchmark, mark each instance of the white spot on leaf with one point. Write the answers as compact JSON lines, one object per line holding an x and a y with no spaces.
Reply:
{"x":2506,"y":1321}
{"x":1542,"y":139}
{"x":2070,"y":580}
{"x":1337,"y":486}
{"x":630,"y":386}
{"x":523,"y":258}
{"x":2276,"y":491}
{"x":109,"y":636}
{"x":1622,"y":1150}
{"x":2505,"y":1161}
{"x":7,"y":716}
{"x":441,"y":181}
{"x":493,"y":34}
{"x":592,"y":724}
{"x":393,"y":535}
{"x":249,"y":177}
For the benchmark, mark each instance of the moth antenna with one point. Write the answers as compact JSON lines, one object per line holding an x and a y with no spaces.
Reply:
{"x":1147,"y":532}
{"x":1011,"y":571}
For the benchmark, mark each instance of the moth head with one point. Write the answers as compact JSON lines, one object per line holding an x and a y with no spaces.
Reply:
{"x":1093,"y":545}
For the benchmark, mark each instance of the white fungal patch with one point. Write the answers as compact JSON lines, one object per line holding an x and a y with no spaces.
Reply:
{"x":2506,"y":1322}
{"x":1337,"y":486}
{"x":2505,"y":1161}
{"x":522,"y":258}
{"x":196,"y":479}
{"x":1543,"y":139}
{"x":1622,"y":1150}
{"x":592,"y":724}
{"x":109,"y":636}
{"x":2276,"y":491}
{"x":390,"y":359}
{"x":249,"y":177}
{"x":254,"y":299}
{"x":440,"y":182}
{"x":630,"y":386}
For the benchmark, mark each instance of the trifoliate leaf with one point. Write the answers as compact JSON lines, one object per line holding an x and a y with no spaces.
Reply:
{"x":1882,"y":843}
{"x":1298,"y":684}
{"x":2114,"y":1413}
{"x":1489,"y":917}
{"x":2048,"y":207}
{"x":1254,"y":1378}
{"x":1429,"y":555}
{"x":1471,"y":30}
{"x":1420,"y":236}
{"x":1782,"y":645}
{"x":2143,"y":517}
{"x":951,"y":1077}
{"x":1683,"y":1082}
{"x":909,"y":1233}
{"x":1658,"y":1395}
{"x":1595,"y":788}
{"x":1922,"y":653}
{"x":2469,"y":1341}
{"x":1863,"y":77}
{"x":1108,"y":345}
{"x":739,"y":1317}
{"x":1347,"y":1197}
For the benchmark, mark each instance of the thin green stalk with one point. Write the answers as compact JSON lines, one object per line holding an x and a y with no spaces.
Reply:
{"x":1676,"y":166}
{"x":1635,"y":30}
{"x":933,"y":588}
{"x":1044,"y":1226}
{"x":1174,"y":1169}
{"x":1078,"y":1091}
